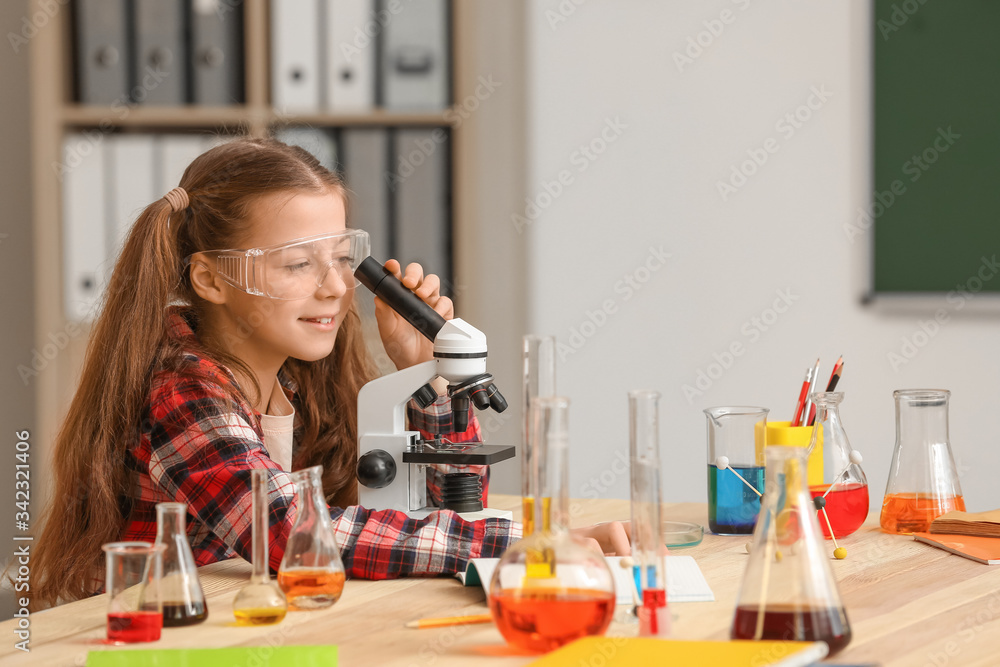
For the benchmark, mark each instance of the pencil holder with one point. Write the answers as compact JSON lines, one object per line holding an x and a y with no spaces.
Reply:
{"x":783,"y":433}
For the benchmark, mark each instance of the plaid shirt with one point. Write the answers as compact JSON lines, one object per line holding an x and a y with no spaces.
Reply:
{"x":198,"y":447}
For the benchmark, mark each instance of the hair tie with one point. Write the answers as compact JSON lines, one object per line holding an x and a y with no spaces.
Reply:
{"x":178,"y":199}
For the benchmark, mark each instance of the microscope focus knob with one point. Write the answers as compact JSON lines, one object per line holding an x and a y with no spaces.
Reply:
{"x":376,"y":469}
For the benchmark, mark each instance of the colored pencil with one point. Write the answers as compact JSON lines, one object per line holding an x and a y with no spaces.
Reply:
{"x":838,"y":368}
{"x":450,"y":620}
{"x":801,"y":403}
{"x":812,"y":388}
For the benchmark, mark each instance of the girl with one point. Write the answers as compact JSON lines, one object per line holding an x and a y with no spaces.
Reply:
{"x":202,"y":360}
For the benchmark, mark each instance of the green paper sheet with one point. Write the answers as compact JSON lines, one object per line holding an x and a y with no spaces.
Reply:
{"x":251,"y":656}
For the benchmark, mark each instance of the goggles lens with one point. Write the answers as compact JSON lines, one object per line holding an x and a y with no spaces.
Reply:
{"x":297,"y":269}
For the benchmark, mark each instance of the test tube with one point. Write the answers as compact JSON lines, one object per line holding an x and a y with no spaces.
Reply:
{"x":539,"y":380}
{"x":648,"y":550}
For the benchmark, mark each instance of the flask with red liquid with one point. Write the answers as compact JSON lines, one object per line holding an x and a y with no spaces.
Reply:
{"x":923,"y":483}
{"x":788,"y":590}
{"x":548,"y":589}
{"x":845,"y":486}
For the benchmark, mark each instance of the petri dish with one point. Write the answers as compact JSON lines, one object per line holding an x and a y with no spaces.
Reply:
{"x":679,"y":534}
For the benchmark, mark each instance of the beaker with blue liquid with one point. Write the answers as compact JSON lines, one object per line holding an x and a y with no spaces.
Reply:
{"x":733,"y":432}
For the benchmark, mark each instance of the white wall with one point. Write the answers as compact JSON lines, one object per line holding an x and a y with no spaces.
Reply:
{"x":656,"y":186}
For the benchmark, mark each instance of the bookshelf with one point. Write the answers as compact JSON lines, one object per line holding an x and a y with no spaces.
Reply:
{"x":485,"y":38}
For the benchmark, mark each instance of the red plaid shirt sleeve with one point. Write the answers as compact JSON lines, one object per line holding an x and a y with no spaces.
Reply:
{"x":199,"y":446}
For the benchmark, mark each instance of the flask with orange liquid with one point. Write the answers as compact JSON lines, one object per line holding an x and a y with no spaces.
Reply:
{"x":923,"y":483}
{"x":311,"y":573}
{"x":548,"y":589}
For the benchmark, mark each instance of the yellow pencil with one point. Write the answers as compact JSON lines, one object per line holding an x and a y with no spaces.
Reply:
{"x":450,"y":620}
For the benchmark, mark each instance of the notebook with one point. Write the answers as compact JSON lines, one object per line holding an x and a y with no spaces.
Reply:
{"x":685,"y":582}
{"x":613,"y":651}
{"x":982,"y":549}
{"x":986,"y":524}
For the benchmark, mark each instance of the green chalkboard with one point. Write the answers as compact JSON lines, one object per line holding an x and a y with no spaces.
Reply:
{"x":935,"y":212}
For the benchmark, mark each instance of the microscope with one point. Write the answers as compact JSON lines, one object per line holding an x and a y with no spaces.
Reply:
{"x":392,"y":466}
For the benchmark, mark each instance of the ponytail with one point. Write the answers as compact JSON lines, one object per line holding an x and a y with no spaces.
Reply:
{"x":93,"y":444}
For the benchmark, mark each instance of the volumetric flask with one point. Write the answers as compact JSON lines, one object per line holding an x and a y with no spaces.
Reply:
{"x":923,"y":483}
{"x":845,"y":487}
{"x":260,"y":602}
{"x":183,"y":598}
{"x":733,"y":433}
{"x":135,"y":610}
{"x":548,"y":589}
{"x":311,"y":573}
{"x":788,"y":591}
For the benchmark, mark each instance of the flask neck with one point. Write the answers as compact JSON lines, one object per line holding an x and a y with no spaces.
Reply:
{"x":170,"y":520}
{"x":921,"y":423}
{"x":546,"y":499}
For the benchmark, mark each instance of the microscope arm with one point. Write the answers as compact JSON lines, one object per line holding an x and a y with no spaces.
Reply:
{"x":393,"y":390}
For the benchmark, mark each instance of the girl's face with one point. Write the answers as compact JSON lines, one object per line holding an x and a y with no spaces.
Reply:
{"x":268,"y":331}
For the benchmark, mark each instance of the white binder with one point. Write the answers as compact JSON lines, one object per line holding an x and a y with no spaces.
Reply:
{"x":421,"y":202}
{"x":160,"y":53}
{"x":319,"y":142}
{"x":174,"y":152}
{"x":295,"y":78}
{"x":365,"y":153}
{"x":351,"y":46}
{"x":84,"y":212}
{"x":132,"y":185}
{"x":101,"y":58}
{"x":416,"y":57}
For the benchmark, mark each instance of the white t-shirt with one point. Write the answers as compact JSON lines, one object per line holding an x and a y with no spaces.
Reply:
{"x":277,"y":424}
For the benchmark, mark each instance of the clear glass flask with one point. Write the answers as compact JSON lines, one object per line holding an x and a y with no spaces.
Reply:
{"x":548,"y":589}
{"x":260,"y":602}
{"x":648,"y":551}
{"x":132,"y":581}
{"x":923,"y":483}
{"x":311,"y":573}
{"x":845,"y":486}
{"x":788,"y":591}
{"x":183,"y":597}
{"x":733,"y":432}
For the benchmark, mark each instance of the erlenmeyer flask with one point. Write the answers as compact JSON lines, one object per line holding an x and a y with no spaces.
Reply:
{"x":183,"y":598}
{"x":788,"y":591}
{"x":845,"y":486}
{"x":548,"y":589}
{"x":733,"y":433}
{"x":923,"y":483}
{"x":311,"y":573}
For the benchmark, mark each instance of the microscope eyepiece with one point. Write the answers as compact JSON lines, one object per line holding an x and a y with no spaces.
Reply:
{"x":411,"y":307}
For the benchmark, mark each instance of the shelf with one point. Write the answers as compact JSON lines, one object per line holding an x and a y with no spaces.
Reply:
{"x":203,"y":116}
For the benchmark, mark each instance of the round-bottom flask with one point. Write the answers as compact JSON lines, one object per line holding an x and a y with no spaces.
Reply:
{"x":548,"y":589}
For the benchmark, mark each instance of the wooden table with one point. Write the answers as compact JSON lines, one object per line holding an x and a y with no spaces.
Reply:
{"x":908,"y":604}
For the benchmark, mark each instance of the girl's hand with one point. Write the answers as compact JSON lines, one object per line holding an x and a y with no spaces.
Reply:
{"x":610,"y":539}
{"x":405,"y":345}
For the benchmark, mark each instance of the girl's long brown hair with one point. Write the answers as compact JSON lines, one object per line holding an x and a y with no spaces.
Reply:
{"x":130,"y":340}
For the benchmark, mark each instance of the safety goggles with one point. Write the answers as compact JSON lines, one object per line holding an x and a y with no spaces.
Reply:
{"x":293,"y":270}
